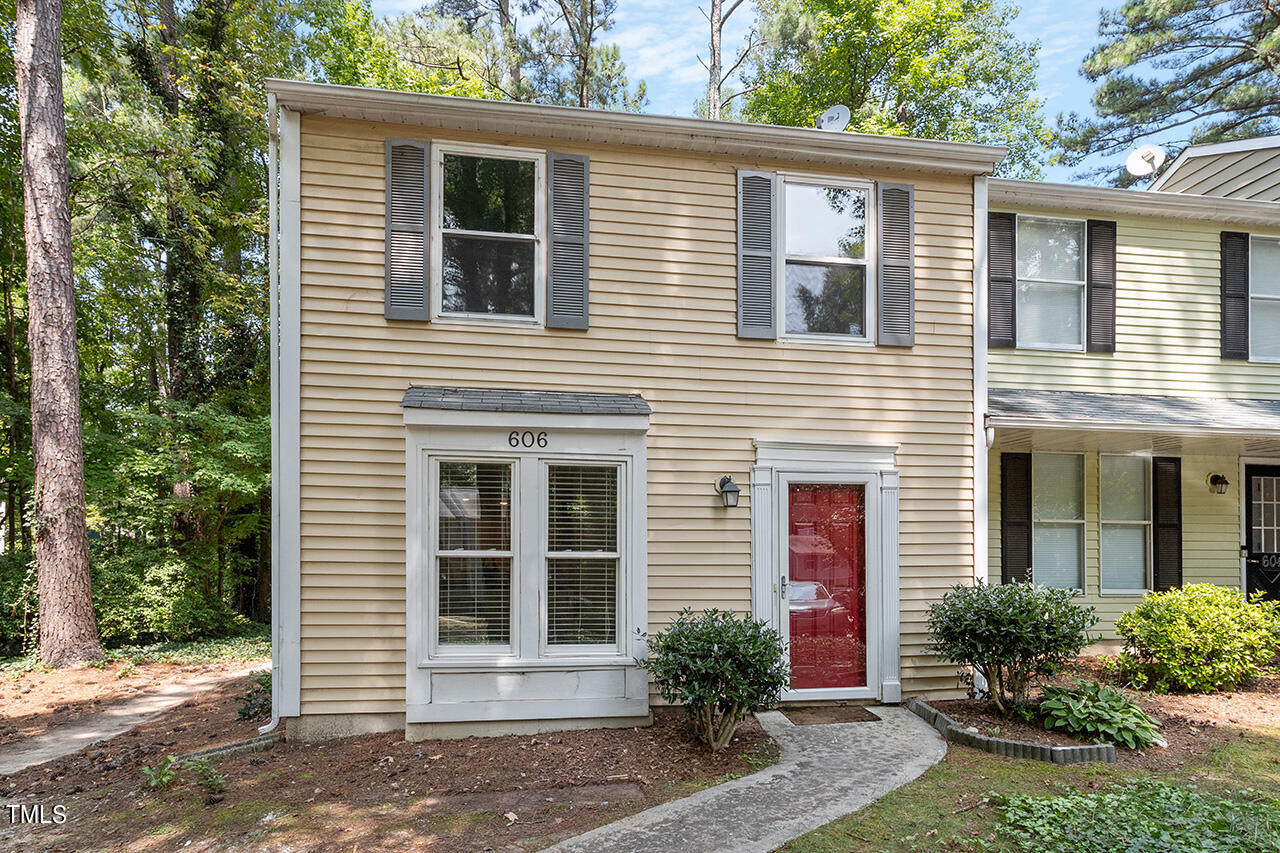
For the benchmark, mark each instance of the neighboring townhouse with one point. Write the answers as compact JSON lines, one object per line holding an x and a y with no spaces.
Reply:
{"x":1134,"y":389}
{"x":546,"y":376}
{"x":1244,"y":168}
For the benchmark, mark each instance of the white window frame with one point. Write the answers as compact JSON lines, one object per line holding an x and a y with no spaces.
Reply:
{"x":1148,"y":524}
{"x":545,"y":648}
{"x":1083,"y":284}
{"x":1082,"y":521}
{"x":467,"y":650}
{"x":467,"y":149}
{"x":1257,"y":297}
{"x":868,"y":261}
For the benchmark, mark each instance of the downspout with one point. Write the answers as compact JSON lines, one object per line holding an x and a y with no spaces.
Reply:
{"x":980,"y":443}
{"x":273,"y":326}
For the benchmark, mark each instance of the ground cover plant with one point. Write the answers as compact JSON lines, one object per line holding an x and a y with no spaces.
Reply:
{"x":1198,"y":638}
{"x":1011,"y":634}
{"x":1103,"y":714}
{"x":720,"y":668}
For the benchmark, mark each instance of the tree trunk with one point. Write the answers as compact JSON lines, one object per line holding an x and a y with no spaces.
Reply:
{"x":713,"y":82}
{"x":68,"y":630}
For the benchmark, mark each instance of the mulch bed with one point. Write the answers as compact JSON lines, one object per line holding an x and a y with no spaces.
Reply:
{"x":822,"y":715}
{"x":34,"y":702}
{"x":375,"y":792}
{"x":1192,"y":724}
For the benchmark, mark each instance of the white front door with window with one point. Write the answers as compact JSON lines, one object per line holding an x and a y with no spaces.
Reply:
{"x":824,"y":523}
{"x":525,"y":566}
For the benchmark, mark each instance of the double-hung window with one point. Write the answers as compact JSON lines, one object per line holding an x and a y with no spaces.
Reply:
{"x":1057,"y":519}
{"x":1124,"y":506}
{"x":489,"y":513}
{"x":1050,"y":296}
{"x":487,"y":227}
{"x":1264,"y":298}
{"x":825,"y":260}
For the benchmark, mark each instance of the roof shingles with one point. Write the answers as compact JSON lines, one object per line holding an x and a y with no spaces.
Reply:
{"x":505,"y":400}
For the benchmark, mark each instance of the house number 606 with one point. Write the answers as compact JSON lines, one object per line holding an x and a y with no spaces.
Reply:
{"x":527,"y":438}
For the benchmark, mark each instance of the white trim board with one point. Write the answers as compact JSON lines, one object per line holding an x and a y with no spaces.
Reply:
{"x":1115,"y":426}
{"x":1008,"y":193}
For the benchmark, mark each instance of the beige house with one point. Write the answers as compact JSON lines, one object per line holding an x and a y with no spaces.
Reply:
{"x":546,"y":376}
{"x":528,"y":354}
{"x":1134,"y":390}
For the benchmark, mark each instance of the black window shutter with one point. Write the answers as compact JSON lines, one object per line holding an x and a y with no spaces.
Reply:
{"x":1235,"y":295}
{"x":407,"y":175}
{"x":896,"y":315}
{"x":1166,"y":511}
{"x":757,"y":200}
{"x":568,"y":276}
{"x":1100,"y":281}
{"x":1015,"y":517}
{"x":1002,"y":280}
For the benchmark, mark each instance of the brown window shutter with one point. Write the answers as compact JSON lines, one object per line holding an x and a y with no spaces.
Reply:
{"x":1235,"y":295}
{"x":1100,"y":283}
{"x":1166,"y":511}
{"x":1002,"y":276}
{"x":1015,"y":517}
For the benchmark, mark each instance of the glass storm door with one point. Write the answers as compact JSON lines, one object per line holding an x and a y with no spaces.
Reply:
{"x":1262,"y":521}
{"x":827,"y":585}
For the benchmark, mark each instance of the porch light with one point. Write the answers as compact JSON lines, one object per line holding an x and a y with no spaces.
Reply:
{"x":728,"y":490}
{"x":1219,"y":482}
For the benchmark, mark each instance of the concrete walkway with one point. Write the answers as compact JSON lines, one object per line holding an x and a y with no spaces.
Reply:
{"x":826,"y":772}
{"x":105,"y":724}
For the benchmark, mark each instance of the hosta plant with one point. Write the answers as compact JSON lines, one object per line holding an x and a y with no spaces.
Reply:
{"x":719,"y":668}
{"x":1102,"y":714}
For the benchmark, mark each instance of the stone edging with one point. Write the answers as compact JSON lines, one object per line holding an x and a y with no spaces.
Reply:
{"x":953,"y":731}
{"x":255,"y":744}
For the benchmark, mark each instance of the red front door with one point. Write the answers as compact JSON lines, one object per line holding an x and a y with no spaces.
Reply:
{"x":827,"y":586}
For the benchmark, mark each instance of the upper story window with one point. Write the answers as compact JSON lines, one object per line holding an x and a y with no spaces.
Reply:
{"x":1264,"y":298}
{"x":1050,"y":293}
{"x":825,"y":260}
{"x":487,"y":232}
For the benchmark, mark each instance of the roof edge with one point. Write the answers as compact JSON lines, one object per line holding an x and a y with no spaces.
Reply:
{"x":635,"y":129}
{"x":1078,"y":197}
{"x":1209,"y":149}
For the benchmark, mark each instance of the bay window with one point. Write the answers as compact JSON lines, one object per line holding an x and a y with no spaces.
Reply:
{"x":1050,"y":291}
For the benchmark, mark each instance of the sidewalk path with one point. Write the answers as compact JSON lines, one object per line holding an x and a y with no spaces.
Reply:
{"x":826,"y":772}
{"x":105,"y":724}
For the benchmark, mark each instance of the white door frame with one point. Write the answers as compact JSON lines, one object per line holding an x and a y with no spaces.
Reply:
{"x":780,"y":463}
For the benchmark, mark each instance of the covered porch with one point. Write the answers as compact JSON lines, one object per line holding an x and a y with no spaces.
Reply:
{"x":1115,"y":495}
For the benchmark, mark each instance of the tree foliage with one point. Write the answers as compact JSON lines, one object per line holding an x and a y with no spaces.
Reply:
{"x":1206,"y":69}
{"x":950,"y":69}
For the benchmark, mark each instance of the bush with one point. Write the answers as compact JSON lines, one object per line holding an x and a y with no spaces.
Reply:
{"x":1011,"y":634}
{"x":1198,"y":638}
{"x":1143,"y":815}
{"x":1102,"y":713}
{"x":257,"y":702}
{"x":720,"y":668}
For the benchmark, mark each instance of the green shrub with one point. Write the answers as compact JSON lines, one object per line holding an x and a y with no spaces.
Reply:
{"x":1102,"y":713}
{"x":164,"y":774}
{"x":1011,"y":634}
{"x":257,"y":702}
{"x":1146,"y":816}
{"x":1199,"y":638}
{"x":18,"y":626}
{"x":720,"y":668}
{"x":206,"y":776}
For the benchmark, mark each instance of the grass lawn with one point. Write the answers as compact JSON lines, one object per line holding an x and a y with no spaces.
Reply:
{"x":947,"y":807}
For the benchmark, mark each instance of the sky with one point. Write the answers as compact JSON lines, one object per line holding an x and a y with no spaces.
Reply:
{"x":661,"y":41}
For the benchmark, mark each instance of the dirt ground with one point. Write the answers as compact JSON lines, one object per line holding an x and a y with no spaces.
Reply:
{"x":33,"y":702}
{"x":372,"y":793}
{"x":1192,"y":724}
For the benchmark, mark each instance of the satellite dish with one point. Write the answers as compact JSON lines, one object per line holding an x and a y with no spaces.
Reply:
{"x":836,"y":118}
{"x":1144,"y":161}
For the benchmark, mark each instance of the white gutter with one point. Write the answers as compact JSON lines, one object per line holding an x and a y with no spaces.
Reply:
{"x":273,"y":334}
{"x":1010,"y":193}
{"x":1116,"y":426}
{"x":859,"y":150}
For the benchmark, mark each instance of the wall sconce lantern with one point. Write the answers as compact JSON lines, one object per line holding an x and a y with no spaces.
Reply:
{"x":728,"y":490}
{"x":1219,"y":482}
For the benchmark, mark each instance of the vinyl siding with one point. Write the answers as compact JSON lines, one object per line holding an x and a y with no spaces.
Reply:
{"x":663,"y":296}
{"x":1210,"y":532}
{"x":1167,"y":323}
